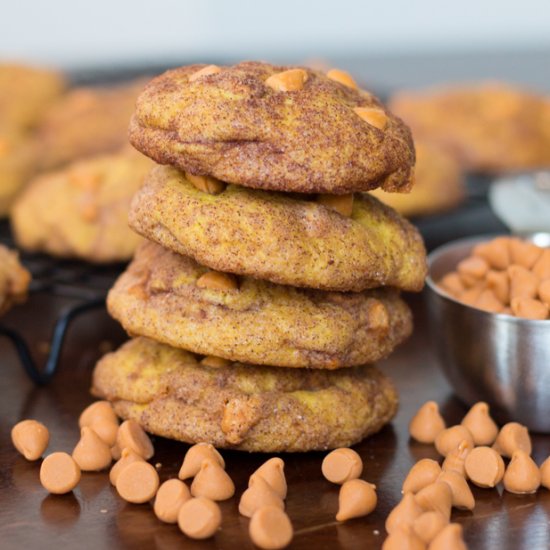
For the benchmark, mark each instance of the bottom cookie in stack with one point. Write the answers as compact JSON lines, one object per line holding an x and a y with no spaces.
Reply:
{"x":176,"y":394}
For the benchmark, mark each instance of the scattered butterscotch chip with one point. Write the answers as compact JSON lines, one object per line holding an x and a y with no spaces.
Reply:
{"x":131,"y":435}
{"x":524,"y":253}
{"x":484,"y":467}
{"x":427,"y":423}
{"x":374,"y":117}
{"x":170,"y":497}
{"x":206,"y":184}
{"x":138,"y":482}
{"x":428,"y":525}
{"x":215,"y":362}
{"x":30,"y":438}
{"x":205,"y":71}
{"x":216,"y":280}
{"x":437,"y":496}
{"x":455,"y":460}
{"x":273,"y":471}
{"x":270,"y":528}
{"x":343,"y":77}
{"x":91,"y":453}
{"x":403,"y":538}
{"x":357,"y":498}
{"x":522,"y":475}
{"x":194,"y":457}
{"x":529,"y":308}
{"x":545,"y":473}
{"x":404,"y":513}
{"x":341,"y":465}
{"x":106,"y":429}
{"x":480,"y":424}
{"x":449,"y":439}
{"x":98,"y":410}
{"x":472,"y":270}
{"x":512,"y":437}
{"x":462,"y":497}
{"x":287,"y":81}
{"x":59,"y":473}
{"x":343,"y":204}
{"x":423,"y":473}
{"x":212,"y":481}
{"x":115,"y":452}
{"x":258,"y":494}
{"x":199,"y":518}
{"x":449,"y":538}
{"x":127,"y":457}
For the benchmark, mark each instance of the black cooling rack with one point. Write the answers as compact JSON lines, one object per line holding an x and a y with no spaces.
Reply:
{"x":86,"y":285}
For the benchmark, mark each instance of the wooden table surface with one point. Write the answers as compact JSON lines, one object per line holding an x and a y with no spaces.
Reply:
{"x":93,"y":516}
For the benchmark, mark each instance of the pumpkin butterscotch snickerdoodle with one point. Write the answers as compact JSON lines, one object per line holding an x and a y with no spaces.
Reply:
{"x":174,"y":300}
{"x":14,"y":279}
{"x":273,"y":127}
{"x":170,"y":393}
{"x":279,"y":237}
{"x":87,"y":212}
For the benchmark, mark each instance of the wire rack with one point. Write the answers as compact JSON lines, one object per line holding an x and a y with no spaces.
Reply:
{"x":84,"y":284}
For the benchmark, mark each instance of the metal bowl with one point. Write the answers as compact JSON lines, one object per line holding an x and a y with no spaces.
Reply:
{"x":497,"y":358}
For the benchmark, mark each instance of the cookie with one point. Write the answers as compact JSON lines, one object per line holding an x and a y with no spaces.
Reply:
{"x":86,"y":216}
{"x":439,"y":184}
{"x":86,"y":122}
{"x":284,"y":239}
{"x":14,"y":279}
{"x":25,"y":93}
{"x":488,"y":127}
{"x":160,"y":296}
{"x":251,"y":125}
{"x":172,"y":395}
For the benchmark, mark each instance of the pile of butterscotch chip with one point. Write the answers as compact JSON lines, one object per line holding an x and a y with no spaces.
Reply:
{"x":473,"y":452}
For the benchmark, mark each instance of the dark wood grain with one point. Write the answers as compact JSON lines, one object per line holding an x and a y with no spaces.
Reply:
{"x":94,"y":517}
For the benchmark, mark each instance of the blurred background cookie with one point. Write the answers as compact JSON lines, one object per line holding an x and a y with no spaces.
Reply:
{"x":81,"y":211}
{"x":14,"y":279}
{"x":488,"y":127}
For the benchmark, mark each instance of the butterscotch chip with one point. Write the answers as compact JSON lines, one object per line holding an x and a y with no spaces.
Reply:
{"x":207,"y":184}
{"x":480,"y":424}
{"x":487,"y":301}
{"x":91,"y":453}
{"x":131,"y":435}
{"x":115,"y":452}
{"x":95,"y":411}
{"x":462,"y":497}
{"x":438,"y":496}
{"x":523,"y":283}
{"x":212,"y":481}
{"x":542,"y":267}
{"x":342,"y":77}
{"x":495,"y":252}
{"x":194,"y":457}
{"x":341,"y":465}
{"x":484,"y":467}
{"x":545,"y":473}
{"x":291,"y":80}
{"x":423,"y":473}
{"x":205,"y":71}
{"x":357,"y":498}
{"x":30,"y":438}
{"x":216,"y":280}
{"x":529,"y":308}
{"x":199,"y":518}
{"x":449,"y":538}
{"x":138,"y":482}
{"x":374,"y":117}
{"x":544,"y":292}
{"x":449,"y":439}
{"x":455,"y":460}
{"x":499,"y":283}
{"x":170,"y":497}
{"x":403,"y":537}
{"x":472,"y":269}
{"x":512,"y":437}
{"x":258,"y":494}
{"x":343,"y":204}
{"x":404,"y":513}
{"x":471,"y":295}
{"x":524,"y":253}
{"x":427,"y":423}
{"x":59,"y":473}
{"x":522,"y":475}
{"x":106,"y":429}
{"x":428,"y":525}
{"x":127,"y":457}
{"x":270,"y":528}
{"x":453,"y":284}
{"x":273,"y":472}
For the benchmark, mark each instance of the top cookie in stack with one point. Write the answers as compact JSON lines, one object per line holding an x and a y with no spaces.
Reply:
{"x":264,"y":252}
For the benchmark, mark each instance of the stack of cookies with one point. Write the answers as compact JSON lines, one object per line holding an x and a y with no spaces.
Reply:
{"x":269,"y":281}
